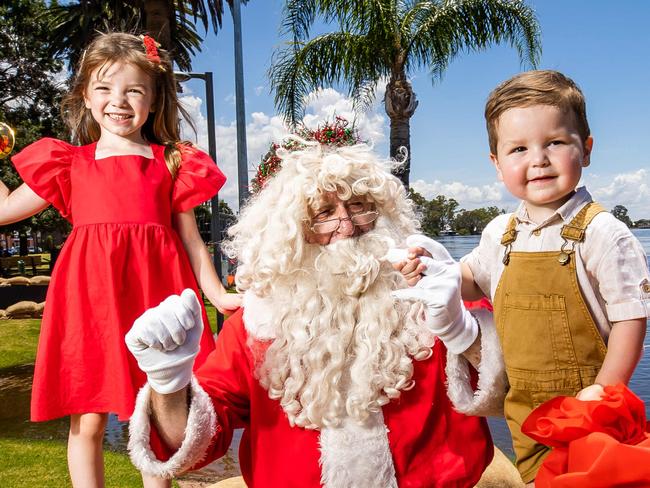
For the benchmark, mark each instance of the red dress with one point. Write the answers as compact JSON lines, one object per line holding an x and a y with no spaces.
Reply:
{"x":121,"y":258}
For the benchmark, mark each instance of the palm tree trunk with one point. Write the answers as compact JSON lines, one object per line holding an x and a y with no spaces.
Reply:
{"x":400,"y":103}
{"x":157,"y":15}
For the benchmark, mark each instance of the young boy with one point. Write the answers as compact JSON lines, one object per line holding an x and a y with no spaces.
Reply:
{"x":569,"y":282}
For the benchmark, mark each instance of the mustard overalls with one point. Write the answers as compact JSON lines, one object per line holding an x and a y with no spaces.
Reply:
{"x":550,"y":342}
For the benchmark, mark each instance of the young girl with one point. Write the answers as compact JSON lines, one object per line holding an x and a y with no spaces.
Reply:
{"x":129,"y":191}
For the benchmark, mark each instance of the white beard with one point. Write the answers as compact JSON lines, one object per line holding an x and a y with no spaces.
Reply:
{"x":342,"y":346}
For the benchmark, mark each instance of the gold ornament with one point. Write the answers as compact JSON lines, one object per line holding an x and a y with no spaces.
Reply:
{"x":7,"y":140}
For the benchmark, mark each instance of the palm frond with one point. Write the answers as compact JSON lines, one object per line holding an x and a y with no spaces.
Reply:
{"x":74,"y":25}
{"x":439,"y":31}
{"x":356,"y":16}
{"x":324,"y":60}
{"x":363,"y":95}
{"x":205,"y":11}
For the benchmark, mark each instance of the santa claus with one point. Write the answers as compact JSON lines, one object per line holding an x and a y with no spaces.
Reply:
{"x":336,"y":379}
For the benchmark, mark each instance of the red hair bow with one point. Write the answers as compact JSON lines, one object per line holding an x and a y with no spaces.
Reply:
{"x":151,"y":49}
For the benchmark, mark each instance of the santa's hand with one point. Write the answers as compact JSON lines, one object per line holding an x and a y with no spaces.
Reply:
{"x":421,"y":253}
{"x":428,"y":249}
{"x":165,"y":341}
{"x":447,"y":317}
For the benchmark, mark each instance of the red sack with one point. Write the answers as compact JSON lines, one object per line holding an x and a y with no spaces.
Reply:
{"x":596,"y":444}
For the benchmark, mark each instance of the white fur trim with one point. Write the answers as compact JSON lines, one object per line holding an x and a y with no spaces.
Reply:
{"x":355,"y":455}
{"x":492,"y":381}
{"x":257,"y":316}
{"x":201,"y":427}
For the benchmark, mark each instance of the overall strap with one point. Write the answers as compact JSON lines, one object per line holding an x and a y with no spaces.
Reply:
{"x":509,"y":237}
{"x":510,"y":233}
{"x":575,"y":230}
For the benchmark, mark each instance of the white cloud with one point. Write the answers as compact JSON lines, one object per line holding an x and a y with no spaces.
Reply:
{"x":259,"y":90}
{"x":630,"y":189}
{"x":467,"y":196}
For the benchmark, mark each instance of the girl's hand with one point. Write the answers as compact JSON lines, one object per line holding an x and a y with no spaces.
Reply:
{"x":591,"y":393}
{"x":228,"y":302}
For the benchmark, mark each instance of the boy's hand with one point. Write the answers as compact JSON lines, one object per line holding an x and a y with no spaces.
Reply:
{"x":411,"y":269}
{"x":591,"y":393}
{"x":409,"y":263}
{"x":165,"y":340}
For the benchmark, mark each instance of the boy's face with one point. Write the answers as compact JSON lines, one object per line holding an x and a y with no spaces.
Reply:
{"x":540,"y":156}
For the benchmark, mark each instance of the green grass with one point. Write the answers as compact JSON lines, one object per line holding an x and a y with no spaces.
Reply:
{"x":26,"y":464}
{"x":18,"y":340}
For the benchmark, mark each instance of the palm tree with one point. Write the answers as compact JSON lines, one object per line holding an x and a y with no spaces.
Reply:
{"x":172,"y":23}
{"x":390,"y":39}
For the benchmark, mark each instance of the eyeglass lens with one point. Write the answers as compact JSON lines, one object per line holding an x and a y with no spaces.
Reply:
{"x":331,"y":225}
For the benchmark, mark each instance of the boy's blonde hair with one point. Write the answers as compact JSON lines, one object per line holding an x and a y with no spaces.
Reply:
{"x":162,"y":126}
{"x":539,"y":87}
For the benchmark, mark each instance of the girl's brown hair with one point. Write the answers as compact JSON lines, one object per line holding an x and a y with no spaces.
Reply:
{"x":162,"y":126}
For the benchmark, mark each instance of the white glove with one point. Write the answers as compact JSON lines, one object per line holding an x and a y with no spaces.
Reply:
{"x":438,"y":252}
{"x":165,"y":341}
{"x":439,"y":290}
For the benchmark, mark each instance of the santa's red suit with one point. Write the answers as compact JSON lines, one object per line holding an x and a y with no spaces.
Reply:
{"x":417,"y":440}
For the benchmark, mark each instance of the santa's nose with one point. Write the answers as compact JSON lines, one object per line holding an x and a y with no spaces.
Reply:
{"x":346,"y":227}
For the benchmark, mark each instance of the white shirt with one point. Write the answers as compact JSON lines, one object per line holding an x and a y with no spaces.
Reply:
{"x":610,"y":263}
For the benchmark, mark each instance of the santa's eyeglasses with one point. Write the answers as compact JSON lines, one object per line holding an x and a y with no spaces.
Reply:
{"x":332,"y":225}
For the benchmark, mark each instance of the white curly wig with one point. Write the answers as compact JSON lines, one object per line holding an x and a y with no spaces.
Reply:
{"x":342,"y":346}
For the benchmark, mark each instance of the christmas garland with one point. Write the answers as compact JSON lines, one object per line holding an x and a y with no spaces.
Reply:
{"x":335,"y":133}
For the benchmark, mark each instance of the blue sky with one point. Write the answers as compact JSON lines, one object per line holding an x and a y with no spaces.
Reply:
{"x":602,"y":45}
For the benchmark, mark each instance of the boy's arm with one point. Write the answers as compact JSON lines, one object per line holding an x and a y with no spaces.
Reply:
{"x":469,"y":290}
{"x":624,"y":350}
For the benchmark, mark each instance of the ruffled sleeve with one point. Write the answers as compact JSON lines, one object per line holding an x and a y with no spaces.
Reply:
{"x":198,"y":180}
{"x":45,"y":167}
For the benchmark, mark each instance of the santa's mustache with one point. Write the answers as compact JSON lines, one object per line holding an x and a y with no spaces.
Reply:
{"x":352,"y":265}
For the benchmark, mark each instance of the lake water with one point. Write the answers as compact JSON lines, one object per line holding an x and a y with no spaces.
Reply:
{"x":15,"y":385}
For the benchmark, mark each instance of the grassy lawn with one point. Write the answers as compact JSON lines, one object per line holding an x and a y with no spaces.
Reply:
{"x":18,"y":339}
{"x":43,"y":463}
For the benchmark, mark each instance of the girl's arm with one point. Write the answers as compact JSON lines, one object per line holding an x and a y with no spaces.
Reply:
{"x":206,"y":275}
{"x":19,"y":204}
{"x":624,"y":350}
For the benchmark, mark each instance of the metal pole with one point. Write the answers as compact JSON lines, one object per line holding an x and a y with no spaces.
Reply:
{"x":215,"y":227}
{"x":242,"y":158}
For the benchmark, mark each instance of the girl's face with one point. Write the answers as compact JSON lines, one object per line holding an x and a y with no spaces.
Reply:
{"x":120,"y":97}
